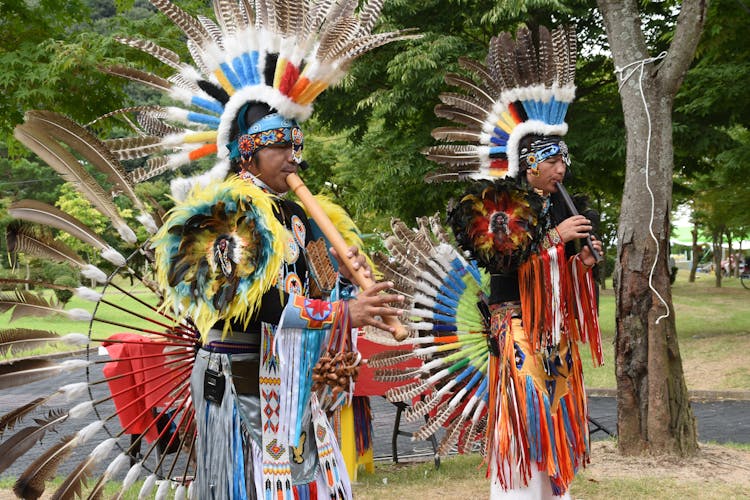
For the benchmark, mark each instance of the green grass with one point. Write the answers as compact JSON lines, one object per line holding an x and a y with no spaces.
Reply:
{"x":463,"y":477}
{"x":713,"y":326}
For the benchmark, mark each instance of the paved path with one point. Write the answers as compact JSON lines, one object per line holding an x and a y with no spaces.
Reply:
{"x":718,"y":421}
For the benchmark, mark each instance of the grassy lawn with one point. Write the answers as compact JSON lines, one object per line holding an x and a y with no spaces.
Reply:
{"x":713,"y":328}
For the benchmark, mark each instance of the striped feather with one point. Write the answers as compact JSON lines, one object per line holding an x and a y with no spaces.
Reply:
{"x":67,"y":165}
{"x":31,"y":482}
{"x":142,"y":77}
{"x":42,"y":213}
{"x":187,"y":23}
{"x":469,"y":86}
{"x":129,"y":148}
{"x":162,"y":54}
{"x":24,"y":238}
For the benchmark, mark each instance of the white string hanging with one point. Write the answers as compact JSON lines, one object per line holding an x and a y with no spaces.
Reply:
{"x":635,"y":66}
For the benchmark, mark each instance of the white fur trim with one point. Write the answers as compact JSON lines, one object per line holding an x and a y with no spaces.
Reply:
{"x":262,"y":93}
{"x":523,"y":129}
{"x":78,"y":314}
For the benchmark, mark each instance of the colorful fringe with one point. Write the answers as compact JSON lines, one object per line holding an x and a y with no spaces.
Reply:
{"x":537,"y":420}
{"x":558,"y":299}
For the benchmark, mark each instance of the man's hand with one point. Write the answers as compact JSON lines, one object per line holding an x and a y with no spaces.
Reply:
{"x":575,"y":227}
{"x":358,"y":262}
{"x":585,"y":254}
{"x":370,"y":306}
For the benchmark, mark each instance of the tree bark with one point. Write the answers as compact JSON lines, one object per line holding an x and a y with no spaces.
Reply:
{"x":717,"y":241}
{"x":696,"y":254}
{"x":653,"y":406}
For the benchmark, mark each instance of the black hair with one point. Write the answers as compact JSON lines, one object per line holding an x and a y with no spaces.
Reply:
{"x":253,"y":111}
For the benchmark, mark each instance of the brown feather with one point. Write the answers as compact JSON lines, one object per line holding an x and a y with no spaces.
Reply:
{"x":356,"y":48}
{"x":213,"y":30}
{"x":465,"y":102}
{"x":183,"y":20}
{"x":31,"y":482}
{"x":369,"y":14}
{"x":27,"y":304}
{"x":73,"y":485}
{"x":10,"y":419}
{"x":526,"y":58}
{"x":33,"y":136}
{"x":22,"y":441}
{"x":26,"y":338}
{"x":142,"y":77}
{"x":455,"y":134}
{"x":228,"y":14}
{"x":154,"y":166}
{"x":166,"y":56}
{"x":129,"y":148}
{"x":23,"y":371}
{"x":458,"y":173}
{"x":22,"y":237}
{"x":457,"y":115}
{"x":42,"y":213}
{"x":471,"y":87}
{"x":481,"y":70}
{"x":153,"y":124}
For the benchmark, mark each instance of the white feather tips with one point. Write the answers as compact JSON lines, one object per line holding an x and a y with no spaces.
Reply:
{"x":89,"y":431}
{"x":90,"y":271}
{"x":81,"y":410}
{"x":181,"y":492}
{"x":115,"y":257}
{"x":87,"y":293}
{"x":102,"y":450}
{"x":127,"y":234}
{"x":148,"y":222}
{"x":72,"y":391}
{"x":78,"y":314}
{"x":163,"y":491}
{"x":117,"y":464}
{"x":132,"y":476}
{"x":148,"y":487}
{"x":75,"y":339}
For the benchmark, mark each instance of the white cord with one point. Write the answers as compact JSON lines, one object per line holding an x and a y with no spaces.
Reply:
{"x":635,"y":66}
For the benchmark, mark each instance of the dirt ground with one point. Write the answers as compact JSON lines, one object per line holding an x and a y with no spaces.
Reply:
{"x":720,"y":463}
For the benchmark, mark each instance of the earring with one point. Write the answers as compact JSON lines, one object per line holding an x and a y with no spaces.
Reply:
{"x":245,"y":164}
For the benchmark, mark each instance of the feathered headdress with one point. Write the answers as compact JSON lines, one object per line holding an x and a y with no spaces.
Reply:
{"x":282,"y":53}
{"x":521,"y":90}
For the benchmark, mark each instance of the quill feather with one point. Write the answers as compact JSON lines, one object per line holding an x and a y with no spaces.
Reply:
{"x":31,"y":482}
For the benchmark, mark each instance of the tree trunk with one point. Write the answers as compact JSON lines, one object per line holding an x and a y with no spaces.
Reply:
{"x":717,"y":240}
{"x":653,"y":406}
{"x":696,"y":254}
